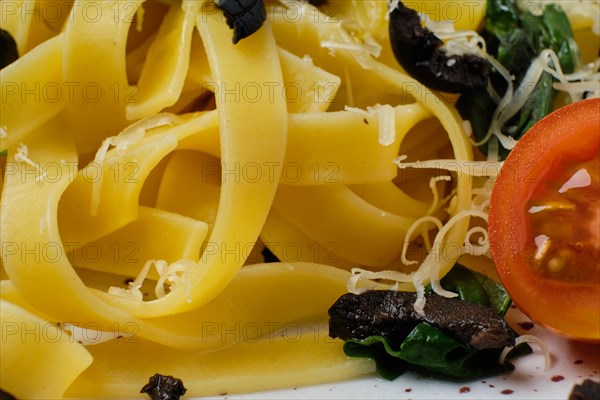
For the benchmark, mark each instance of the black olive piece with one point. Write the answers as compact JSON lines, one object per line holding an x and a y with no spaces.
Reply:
{"x":8,"y":49}
{"x":391,"y":314}
{"x":588,"y":390}
{"x":164,"y":387}
{"x":243,"y":16}
{"x":419,"y":52}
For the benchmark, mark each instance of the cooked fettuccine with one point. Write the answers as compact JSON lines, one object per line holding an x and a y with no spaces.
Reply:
{"x":150,"y":162}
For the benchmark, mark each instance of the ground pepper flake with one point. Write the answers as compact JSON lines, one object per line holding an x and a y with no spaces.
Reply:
{"x":526,"y":325}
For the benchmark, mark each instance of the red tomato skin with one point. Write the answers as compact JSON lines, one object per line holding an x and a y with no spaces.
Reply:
{"x":568,"y":309}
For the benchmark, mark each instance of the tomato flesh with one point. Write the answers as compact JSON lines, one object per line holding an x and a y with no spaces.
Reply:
{"x":544,"y":222}
{"x":563,"y":223}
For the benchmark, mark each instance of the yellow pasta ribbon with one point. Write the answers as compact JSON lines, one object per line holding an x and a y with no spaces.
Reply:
{"x":39,"y":360}
{"x":94,"y":62}
{"x":31,"y":95}
{"x":154,"y":235}
{"x":166,"y":63}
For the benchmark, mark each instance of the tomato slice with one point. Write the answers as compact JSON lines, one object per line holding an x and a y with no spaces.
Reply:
{"x":544,"y":222}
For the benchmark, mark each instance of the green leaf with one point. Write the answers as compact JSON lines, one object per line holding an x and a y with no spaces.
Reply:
{"x":537,"y":106}
{"x":515,"y":37}
{"x":560,"y":36}
{"x":4,"y":153}
{"x":515,"y":52}
{"x":430,"y":351}
{"x":463,"y":282}
{"x":502,"y":17}
{"x":443,"y":356}
{"x":387,"y":365}
{"x":477,"y":107}
{"x":498,"y":296}
{"x":476,"y":288}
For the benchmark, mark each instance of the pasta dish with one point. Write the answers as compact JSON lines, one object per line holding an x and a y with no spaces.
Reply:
{"x":157,"y":157}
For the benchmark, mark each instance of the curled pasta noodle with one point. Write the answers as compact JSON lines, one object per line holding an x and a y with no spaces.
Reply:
{"x":148,"y":205}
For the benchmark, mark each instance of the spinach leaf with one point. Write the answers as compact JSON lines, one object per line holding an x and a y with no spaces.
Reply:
{"x":497,"y":295}
{"x":388,"y":366}
{"x":477,"y":288}
{"x":431,"y":352}
{"x":515,"y":37}
{"x":537,"y":106}
{"x":501,"y":17}
{"x":560,"y":36}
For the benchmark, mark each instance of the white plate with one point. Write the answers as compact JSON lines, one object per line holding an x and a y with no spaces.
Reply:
{"x":571,"y":363}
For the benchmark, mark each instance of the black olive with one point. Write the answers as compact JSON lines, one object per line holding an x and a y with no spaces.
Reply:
{"x":588,"y":390}
{"x":8,"y":49}
{"x":243,"y":16}
{"x":391,"y":314}
{"x":420,"y":53}
{"x":164,"y":387}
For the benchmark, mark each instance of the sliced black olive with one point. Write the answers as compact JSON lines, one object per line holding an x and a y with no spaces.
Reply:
{"x":164,"y":387}
{"x":8,"y":49}
{"x":391,"y":314}
{"x":588,"y":390}
{"x":420,"y":53}
{"x":243,"y":16}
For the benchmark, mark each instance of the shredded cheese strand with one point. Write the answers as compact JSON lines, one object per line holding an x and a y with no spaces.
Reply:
{"x":527,"y":339}
{"x":471,"y":168}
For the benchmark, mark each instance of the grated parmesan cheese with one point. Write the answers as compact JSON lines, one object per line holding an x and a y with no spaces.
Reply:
{"x":22,"y":155}
{"x":527,"y":339}
{"x":577,"y":84}
{"x":89,"y":337}
{"x":410,"y":233}
{"x":358,"y":274}
{"x":133,"y":292}
{"x":359,"y":111}
{"x":387,"y":122}
{"x":372,"y":44}
{"x":437,"y":27}
{"x":170,"y":275}
{"x":430,"y":267}
{"x":436,"y":197}
{"x":471,"y":168}
{"x":392,"y":5}
{"x":128,"y":136}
